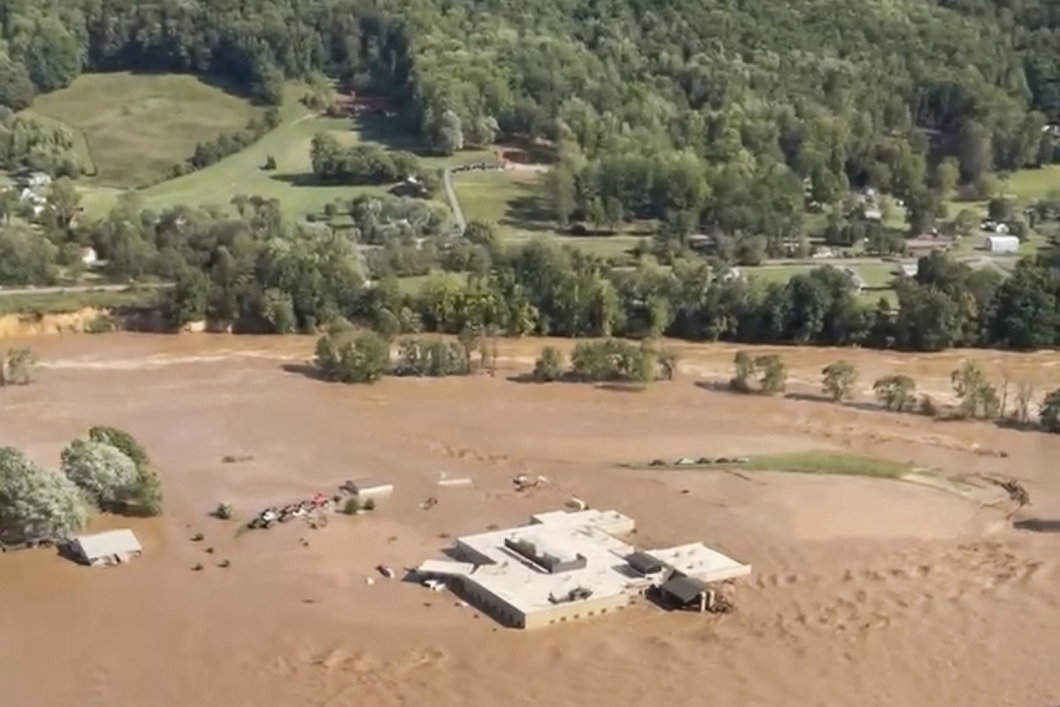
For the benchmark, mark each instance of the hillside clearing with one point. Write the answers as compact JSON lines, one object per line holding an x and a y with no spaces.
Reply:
{"x":133,"y":128}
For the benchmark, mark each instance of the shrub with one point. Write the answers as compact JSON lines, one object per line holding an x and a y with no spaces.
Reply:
{"x":352,"y":507}
{"x":224,"y":511}
{"x":100,"y":325}
{"x":928,"y":407}
{"x":549,"y":365}
{"x":369,"y":504}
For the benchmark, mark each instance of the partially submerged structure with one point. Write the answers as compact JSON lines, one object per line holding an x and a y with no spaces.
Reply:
{"x":368,"y":487}
{"x":113,"y":547}
{"x":565,"y":566}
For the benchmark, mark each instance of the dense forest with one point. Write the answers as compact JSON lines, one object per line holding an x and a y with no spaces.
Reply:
{"x":733,"y":115}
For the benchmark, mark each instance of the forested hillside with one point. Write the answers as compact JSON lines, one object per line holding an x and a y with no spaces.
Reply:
{"x":718,"y":112}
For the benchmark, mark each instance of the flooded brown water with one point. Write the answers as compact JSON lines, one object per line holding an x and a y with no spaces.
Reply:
{"x":863,"y":592}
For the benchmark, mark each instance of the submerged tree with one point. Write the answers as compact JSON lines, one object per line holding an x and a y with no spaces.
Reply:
{"x":896,"y":392}
{"x":103,"y":472}
{"x":549,"y":365}
{"x":774,"y":374}
{"x":36,"y":504}
{"x":977,"y":396}
{"x":17,"y":367}
{"x":838,"y":380}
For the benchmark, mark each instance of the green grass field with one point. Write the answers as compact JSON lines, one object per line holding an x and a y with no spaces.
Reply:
{"x":132,"y":127}
{"x":1031,"y":184}
{"x":61,"y":302}
{"x":291,"y":182}
{"x":818,"y":462}
{"x":513,"y":201}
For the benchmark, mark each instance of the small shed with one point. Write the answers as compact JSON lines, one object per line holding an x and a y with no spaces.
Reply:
{"x":682,"y":592}
{"x":113,"y":547}
{"x":1002,"y":244}
{"x":369,"y":487}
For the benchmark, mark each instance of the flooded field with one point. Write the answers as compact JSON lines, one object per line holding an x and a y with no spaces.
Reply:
{"x":863,"y":592}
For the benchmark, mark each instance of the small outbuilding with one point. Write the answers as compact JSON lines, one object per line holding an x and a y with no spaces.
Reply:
{"x":113,"y":547}
{"x":682,"y":592}
{"x":369,"y":488}
{"x":1002,"y":244}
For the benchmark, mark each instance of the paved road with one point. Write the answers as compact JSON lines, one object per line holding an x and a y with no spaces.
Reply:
{"x":450,"y":193}
{"x":11,"y":291}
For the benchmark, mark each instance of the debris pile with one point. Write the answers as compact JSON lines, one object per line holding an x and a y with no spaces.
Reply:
{"x":312,"y":510}
{"x":702,"y":461}
{"x":523,"y":482}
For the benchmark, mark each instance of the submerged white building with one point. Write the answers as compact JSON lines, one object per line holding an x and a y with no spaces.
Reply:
{"x":566,"y":566}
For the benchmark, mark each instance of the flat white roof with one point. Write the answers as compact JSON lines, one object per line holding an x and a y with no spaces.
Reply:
{"x":447,"y":568}
{"x":700,"y":562}
{"x":111,"y":542}
{"x":527,"y":587}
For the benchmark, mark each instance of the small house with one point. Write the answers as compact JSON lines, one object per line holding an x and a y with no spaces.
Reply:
{"x":1002,"y":244}
{"x":113,"y":547}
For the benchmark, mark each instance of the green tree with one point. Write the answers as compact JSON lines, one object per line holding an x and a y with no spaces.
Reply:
{"x":1049,"y":413}
{"x":774,"y":375}
{"x":450,"y":138}
{"x":147,"y":499}
{"x":188,"y":300}
{"x":560,"y":187}
{"x":966,"y":223}
{"x":839,"y":379}
{"x":105,"y":473}
{"x":363,"y":359}
{"x":976,"y":395}
{"x":896,"y":392}
{"x":744,"y":370}
{"x":549,"y":365}
{"x":668,"y":360}
{"x":16,"y":88}
{"x":17,"y":367}
{"x":36,"y":504}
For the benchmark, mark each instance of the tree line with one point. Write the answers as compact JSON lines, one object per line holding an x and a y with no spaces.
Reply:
{"x":363,"y":164}
{"x":977,"y":396}
{"x":109,"y":471}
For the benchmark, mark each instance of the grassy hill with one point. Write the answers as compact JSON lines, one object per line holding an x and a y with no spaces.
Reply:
{"x":132,"y":128}
{"x":291,"y":182}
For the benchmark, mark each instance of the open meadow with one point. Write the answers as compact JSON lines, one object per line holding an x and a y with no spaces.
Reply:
{"x":292,"y":181}
{"x":132,"y":128}
{"x":860,"y":586}
{"x":513,"y":200}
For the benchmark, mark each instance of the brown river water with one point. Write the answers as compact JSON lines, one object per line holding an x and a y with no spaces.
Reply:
{"x":864,"y":592}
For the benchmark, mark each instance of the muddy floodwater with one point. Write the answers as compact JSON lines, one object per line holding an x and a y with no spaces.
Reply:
{"x":863,"y":592}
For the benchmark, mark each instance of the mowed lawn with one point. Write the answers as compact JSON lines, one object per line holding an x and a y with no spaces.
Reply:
{"x":292,"y":182}
{"x":1032,"y":184}
{"x":135,"y":127}
{"x":513,"y":201}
